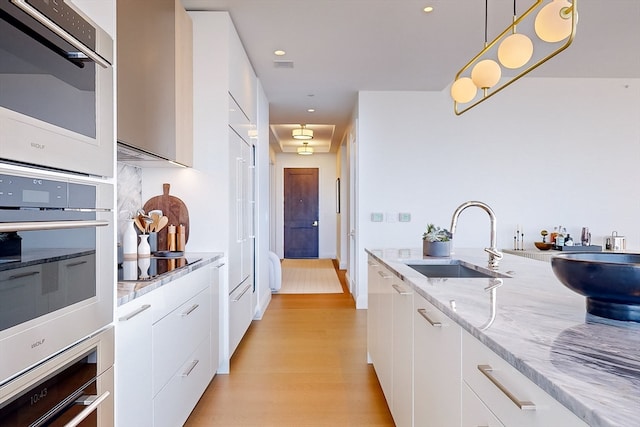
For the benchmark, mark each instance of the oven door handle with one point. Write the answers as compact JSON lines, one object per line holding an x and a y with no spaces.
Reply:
{"x":7,"y":227}
{"x":93,"y":402}
{"x":35,"y":14}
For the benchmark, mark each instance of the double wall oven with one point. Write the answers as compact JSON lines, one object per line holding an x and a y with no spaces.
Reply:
{"x":57,"y":235}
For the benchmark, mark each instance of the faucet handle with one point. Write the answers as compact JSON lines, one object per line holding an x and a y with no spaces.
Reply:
{"x":496,"y":253}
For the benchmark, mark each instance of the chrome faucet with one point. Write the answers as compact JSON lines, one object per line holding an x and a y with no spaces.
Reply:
{"x":494,"y":254}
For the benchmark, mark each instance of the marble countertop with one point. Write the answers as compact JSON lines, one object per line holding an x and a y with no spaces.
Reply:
{"x":130,"y":290}
{"x":589,"y":364}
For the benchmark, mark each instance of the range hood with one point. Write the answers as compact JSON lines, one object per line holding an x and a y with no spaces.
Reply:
{"x":137,"y":157}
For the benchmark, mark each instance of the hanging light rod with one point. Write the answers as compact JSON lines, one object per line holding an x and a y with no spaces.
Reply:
{"x":555,"y":22}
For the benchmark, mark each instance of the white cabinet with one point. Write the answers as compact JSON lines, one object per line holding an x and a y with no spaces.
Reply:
{"x":514,"y":399}
{"x":381,"y":326}
{"x":155,"y":78}
{"x":214,"y":339}
{"x":134,"y":405}
{"x":390,"y":334}
{"x":474,"y":412}
{"x":240,"y":313}
{"x":225,"y":114}
{"x":177,"y":335}
{"x":402,"y":345}
{"x":163,"y":348}
{"x":436,"y":364}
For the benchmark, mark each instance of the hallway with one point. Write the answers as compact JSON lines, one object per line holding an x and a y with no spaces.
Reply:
{"x":304,"y":364}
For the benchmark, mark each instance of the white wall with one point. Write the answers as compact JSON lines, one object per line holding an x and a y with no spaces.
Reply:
{"x":544,"y":152}
{"x":327,"y":174}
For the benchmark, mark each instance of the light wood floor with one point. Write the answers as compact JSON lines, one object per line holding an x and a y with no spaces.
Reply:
{"x":304,"y":364}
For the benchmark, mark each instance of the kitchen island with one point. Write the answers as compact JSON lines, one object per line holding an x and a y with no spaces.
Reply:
{"x":589,"y":365}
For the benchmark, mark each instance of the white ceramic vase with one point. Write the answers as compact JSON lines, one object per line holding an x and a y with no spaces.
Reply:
{"x":130,"y":241}
{"x":144,"y":250}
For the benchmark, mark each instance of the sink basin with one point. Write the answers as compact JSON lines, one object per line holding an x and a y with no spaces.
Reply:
{"x":610,"y":281}
{"x":454,"y":268}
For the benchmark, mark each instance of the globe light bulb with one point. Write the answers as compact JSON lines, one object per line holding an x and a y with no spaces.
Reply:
{"x":551,"y":25}
{"x":463,"y":90}
{"x":515,"y":51}
{"x":486,"y":74}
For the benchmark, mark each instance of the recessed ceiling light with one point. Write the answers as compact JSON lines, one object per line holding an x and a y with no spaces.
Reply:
{"x":428,"y":9}
{"x":311,"y":110}
{"x":279,"y":52}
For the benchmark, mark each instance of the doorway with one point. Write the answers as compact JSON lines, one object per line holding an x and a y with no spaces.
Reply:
{"x":301,"y":212}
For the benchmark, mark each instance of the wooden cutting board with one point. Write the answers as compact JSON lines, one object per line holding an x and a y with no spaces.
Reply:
{"x":174,"y":209}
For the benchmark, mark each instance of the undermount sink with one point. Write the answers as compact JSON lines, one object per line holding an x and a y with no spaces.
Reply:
{"x":610,"y":281}
{"x":454,"y":268}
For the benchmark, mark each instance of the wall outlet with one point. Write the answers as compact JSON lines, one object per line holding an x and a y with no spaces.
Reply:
{"x":404,"y":217}
{"x":377,"y":217}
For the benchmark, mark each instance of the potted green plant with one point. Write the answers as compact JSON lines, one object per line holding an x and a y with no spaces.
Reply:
{"x":436,"y":241}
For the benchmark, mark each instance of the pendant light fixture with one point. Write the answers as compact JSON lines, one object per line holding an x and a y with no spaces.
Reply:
{"x":486,"y":73}
{"x":555,"y":28}
{"x":302,"y":133}
{"x":305,"y":150}
{"x":517,"y":49}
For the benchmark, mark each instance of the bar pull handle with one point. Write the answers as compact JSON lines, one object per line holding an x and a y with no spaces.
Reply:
{"x":75,"y":264}
{"x":423,"y":312}
{"x":49,"y":225}
{"x":244,"y":291}
{"x":190,"y":310}
{"x":35,"y":14}
{"x":134,"y":313}
{"x":524,"y":405}
{"x":93,"y":403}
{"x":384,"y":275}
{"x":190,"y":368}
{"x":399,"y":289}
{"x":22,"y":275}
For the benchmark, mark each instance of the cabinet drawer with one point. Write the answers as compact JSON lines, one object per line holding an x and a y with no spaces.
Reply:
{"x":177,"y":335}
{"x":512,"y":397}
{"x":474,"y":412}
{"x":172,"y":406}
{"x":174,"y":294}
{"x":240,"y":313}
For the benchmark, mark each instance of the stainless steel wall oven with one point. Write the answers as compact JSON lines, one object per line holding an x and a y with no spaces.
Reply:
{"x":74,"y":388}
{"x":56,"y":88}
{"x":56,"y":265}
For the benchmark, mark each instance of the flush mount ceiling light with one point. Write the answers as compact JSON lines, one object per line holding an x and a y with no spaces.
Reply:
{"x":302,"y":133}
{"x":555,"y":24}
{"x":305,"y":150}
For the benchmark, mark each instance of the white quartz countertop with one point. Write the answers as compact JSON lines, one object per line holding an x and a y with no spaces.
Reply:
{"x":589,"y":364}
{"x":130,"y":290}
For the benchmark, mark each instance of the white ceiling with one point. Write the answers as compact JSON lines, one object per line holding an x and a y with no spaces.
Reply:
{"x":339,"y":47}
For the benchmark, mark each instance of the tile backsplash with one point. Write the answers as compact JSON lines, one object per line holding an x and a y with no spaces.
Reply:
{"x":129,"y":179}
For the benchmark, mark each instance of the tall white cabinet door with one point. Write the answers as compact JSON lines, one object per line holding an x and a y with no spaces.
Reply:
{"x":134,"y":405}
{"x":384,"y":364}
{"x":402,"y":371}
{"x":437,"y":367}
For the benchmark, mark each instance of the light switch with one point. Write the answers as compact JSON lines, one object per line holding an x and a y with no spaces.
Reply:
{"x":392,"y":216}
{"x":404,"y":217}
{"x":377,"y":217}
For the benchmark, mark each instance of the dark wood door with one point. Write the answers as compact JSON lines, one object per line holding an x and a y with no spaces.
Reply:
{"x":301,"y":213}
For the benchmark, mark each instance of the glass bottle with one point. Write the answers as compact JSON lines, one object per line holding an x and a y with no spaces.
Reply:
{"x":560,"y":237}
{"x":568,"y":241}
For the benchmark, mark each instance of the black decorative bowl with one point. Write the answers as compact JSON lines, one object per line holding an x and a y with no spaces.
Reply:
{"x":610,"y":281}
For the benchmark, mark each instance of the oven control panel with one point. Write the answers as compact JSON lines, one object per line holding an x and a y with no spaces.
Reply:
{"x":20,"y":191}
